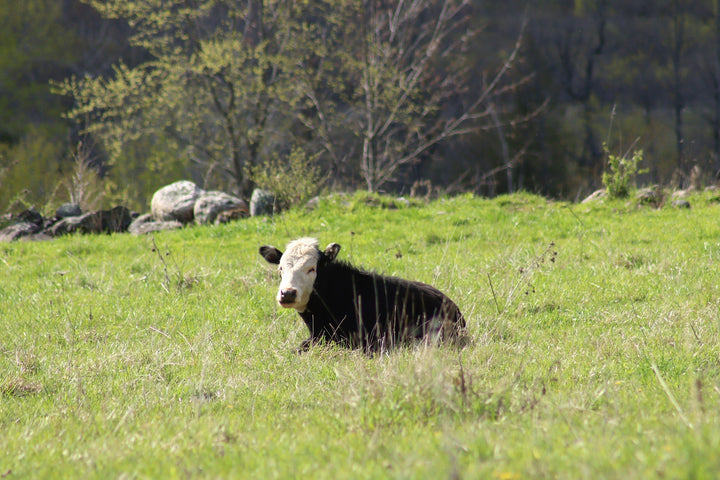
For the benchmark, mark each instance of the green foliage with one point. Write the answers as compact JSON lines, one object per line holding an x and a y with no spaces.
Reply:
{"x":359,"y":89}
{"x":294,"y":180}
{"x":166,"y":357}
{"x":223,"y":101}
{"x":4,"y":168}
{"x":335,"y":77}
{"x":132,"y":183}
{"x":620,"y":172}
{"x":31,"y":170}
{"x":34,"y":47}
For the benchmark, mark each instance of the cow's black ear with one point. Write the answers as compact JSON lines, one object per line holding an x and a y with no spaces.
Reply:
{"x":332,"y":251}
{"x":271,"y":254}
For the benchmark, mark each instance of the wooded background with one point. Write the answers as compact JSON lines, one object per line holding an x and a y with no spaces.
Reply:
{"x":107,"y":100}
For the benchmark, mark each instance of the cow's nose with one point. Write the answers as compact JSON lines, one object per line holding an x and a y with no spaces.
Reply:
{"x":288,"y":295}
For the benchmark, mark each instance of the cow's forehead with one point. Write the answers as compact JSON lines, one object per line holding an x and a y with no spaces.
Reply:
{"x":300,"y":252}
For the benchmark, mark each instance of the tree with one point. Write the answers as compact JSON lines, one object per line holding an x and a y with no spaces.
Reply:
{"x":218,"y":90}
{"x":408,"y":85}
{"x":678,"y":23}
{"x":715,"y":88}
{"x":582,"y":41}
{"x":709,"y":67}
{"x":43,"y":41}
{"x":234,"y":84}
{"x":33,"y":49}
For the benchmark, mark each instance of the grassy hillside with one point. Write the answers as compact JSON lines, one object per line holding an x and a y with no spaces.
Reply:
{"x":595,"y":349}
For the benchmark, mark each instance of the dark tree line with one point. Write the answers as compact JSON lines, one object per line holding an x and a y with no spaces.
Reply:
{"x":645,"y":61}
{"x":365,"y":89}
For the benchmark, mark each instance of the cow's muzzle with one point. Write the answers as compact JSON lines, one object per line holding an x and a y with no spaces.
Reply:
{"x":287,"y":297}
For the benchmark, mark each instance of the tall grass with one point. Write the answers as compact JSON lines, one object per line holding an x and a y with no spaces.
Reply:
{"x":595,"y":349}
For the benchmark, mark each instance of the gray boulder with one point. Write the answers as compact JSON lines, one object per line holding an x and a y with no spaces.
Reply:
{"x":175,"y":202}
{"x":64,"y":226}
{"x":115,"y":220}
{"x":653,"y":196}
{"x":313,"y":203}
{"x":262,"y":202}
{"x":139,"y":221}
{"x":25,"y":224}
{"x":18,"y":230}
{"x":146,"y":224}
{"x":679,"y":194}
{"x":142,"y":228}
{"x":31,"y":216}
{"x":210,"y":204}
{"x":596,"y":195}
{"x":227,"y":216}
{"x":151,"y":227}
{"x":68,"y":210}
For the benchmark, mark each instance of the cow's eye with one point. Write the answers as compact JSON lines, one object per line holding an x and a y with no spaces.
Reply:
{"x":311,"y":270}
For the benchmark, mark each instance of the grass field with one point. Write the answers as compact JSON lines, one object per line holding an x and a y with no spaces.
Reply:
{"x":595,"y":349}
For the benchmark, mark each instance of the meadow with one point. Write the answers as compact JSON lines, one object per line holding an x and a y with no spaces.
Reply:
{"x":594,"y":348}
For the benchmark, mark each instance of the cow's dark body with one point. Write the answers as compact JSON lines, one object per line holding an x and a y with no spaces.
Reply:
{"x":363,"y":309}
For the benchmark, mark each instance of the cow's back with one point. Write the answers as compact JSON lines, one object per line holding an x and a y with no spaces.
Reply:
{"x":368,"y":309}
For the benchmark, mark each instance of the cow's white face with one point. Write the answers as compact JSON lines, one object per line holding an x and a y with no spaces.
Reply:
{"x":298,"y":267}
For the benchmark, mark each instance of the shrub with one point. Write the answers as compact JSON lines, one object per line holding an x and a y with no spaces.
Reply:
{"x":294,"y":180}
{"x":620,"y":172}
{"x":84,"y":185}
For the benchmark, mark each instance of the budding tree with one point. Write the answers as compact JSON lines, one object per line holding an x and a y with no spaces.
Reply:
{"x":364,"y":87}
{"x":408,"y":85}
{"x":218,"y":88}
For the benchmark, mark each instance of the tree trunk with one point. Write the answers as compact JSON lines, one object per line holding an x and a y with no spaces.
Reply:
{"x":504,"y":149}
{"x":716,"y":94}
{"x":583,"y":94}
{"x":678,"y":27}
{"x":254,"y":26}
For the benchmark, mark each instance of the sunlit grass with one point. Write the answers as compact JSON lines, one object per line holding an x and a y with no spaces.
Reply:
{"x":595,"y":349}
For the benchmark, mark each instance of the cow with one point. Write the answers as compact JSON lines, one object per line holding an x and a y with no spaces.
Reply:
{"x":352,"y":307}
